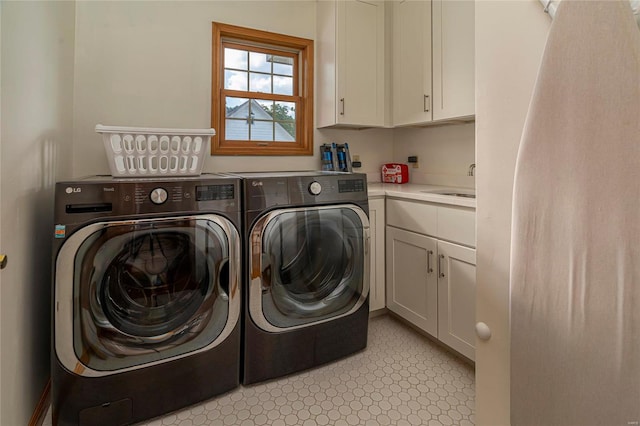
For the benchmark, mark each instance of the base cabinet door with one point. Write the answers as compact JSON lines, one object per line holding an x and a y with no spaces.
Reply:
{"x":377,"y":256}
{"x":412,"y":284}
{"x":456,"y":297}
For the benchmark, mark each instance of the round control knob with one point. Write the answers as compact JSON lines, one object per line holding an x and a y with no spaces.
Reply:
{"x":158,"y":195}
{"x":315,"y":188}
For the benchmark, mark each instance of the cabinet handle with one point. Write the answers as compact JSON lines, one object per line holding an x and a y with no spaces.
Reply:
{"x":429,"y":268}
{"x":3,"y":261}
{"x":342,"y":105}
{"x":440,"y":268}
{"x":427,"y":104}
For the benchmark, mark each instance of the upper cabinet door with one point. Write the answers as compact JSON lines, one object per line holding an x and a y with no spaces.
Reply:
{"x":411,"y":62}
{"x":351,"y":63}
{"x":431,"y":54}
{"x":433,"y":61}
{"x":453,"y":59}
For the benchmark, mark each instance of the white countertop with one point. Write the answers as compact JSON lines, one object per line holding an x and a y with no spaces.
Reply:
{"x":412,"y":191}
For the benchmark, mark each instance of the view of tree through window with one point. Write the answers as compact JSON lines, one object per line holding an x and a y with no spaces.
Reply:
{"x":262,"y":93}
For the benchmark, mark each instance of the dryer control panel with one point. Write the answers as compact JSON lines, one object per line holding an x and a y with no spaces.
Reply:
{"x":327,"y":189}
{"x":83,"y":200}
{"x":264,"y":192}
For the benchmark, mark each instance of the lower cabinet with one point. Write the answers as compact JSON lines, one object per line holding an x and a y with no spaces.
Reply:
{"x":457,"y":297}
{"x":412,"y":290}
{"x":431,"y":283}
{"x":376,"y":254}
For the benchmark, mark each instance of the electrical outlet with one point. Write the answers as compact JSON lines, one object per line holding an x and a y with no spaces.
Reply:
{"x":415,"y":165}
{"x":356,"y":158}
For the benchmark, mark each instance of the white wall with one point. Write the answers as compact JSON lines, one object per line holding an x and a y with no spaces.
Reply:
{"x":149,"y":64}
{"x":444,"y":153}
{"x":510,"y":37}
{"x":37,"y":85}
{"x":374,"y":146}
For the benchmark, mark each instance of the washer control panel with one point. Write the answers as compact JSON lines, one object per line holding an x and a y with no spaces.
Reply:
{"x":104,"y":196}
{"x":158,"y":196}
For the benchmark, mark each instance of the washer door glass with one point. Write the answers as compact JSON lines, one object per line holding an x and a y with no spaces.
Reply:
{"x":312,"y":266}
{"x":149,"y":290}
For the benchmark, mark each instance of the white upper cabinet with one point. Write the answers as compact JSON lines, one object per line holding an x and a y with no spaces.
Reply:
{"x":350,"y":52}
{"x":433,"y":61}
{"x":453,"y":59}
{"x":411,"y":62}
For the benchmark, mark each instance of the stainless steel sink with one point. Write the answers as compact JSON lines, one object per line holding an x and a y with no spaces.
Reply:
{"x":451,"y":193}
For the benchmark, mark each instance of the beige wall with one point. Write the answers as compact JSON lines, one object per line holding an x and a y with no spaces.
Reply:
{"x":37,"y":85}
{"x":444,"y":153}
{"x":510,"y":38}
{"x":149,"y":64}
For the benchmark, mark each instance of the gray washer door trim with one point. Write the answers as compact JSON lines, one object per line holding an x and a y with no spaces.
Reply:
{"x":255,"y":255}
{"x":63,"y":306}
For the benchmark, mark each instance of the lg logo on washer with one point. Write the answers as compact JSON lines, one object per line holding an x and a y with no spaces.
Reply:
{"x":72,"y":190}
{"x":256,"y":183}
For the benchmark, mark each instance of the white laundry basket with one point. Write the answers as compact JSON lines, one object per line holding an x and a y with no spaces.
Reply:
{"x":141,"y":151}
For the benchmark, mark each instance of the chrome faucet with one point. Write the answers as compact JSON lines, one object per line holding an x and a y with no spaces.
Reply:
{"x":472,"y":170}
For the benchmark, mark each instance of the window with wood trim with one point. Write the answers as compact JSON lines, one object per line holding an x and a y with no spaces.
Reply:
{"x":262,"y":93}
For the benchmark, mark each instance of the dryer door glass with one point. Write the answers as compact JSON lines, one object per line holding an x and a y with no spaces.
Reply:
{"x":312,"y":266}
{"x":149,"y":290}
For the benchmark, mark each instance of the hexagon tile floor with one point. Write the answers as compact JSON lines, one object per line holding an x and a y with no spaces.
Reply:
{"x":401,"y":378}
